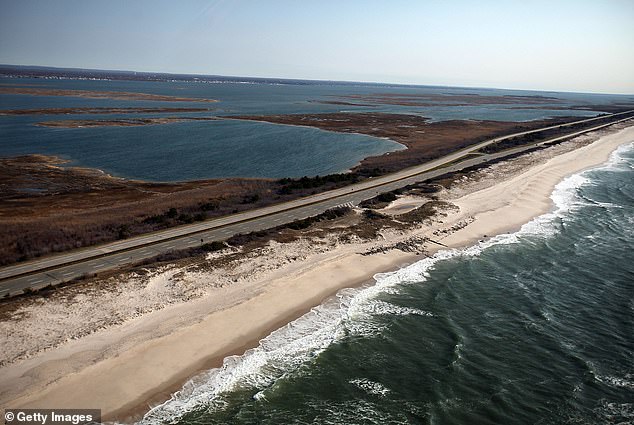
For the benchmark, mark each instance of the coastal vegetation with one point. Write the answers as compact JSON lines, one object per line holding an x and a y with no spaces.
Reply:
{"x":542,"y":136}
{"x":425,"y":140}
{"x":47,"y":207}
{"x":124,"y":122}
{"x":98,"y":110}
{"x":95,"y":94}
{"x":339,"y":221}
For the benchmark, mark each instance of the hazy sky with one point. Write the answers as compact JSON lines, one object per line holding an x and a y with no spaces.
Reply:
{"x":570,"y":45}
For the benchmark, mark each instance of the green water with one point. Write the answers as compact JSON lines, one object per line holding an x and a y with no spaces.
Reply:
{"x":535,"y":327}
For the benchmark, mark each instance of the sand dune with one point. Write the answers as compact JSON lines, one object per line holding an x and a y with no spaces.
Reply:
{"x":125,"y":369}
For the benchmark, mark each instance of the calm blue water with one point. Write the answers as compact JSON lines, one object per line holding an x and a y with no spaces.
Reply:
{"x":535,"y":327}
{"x":202,"y":149}
{"x":196,"y":150}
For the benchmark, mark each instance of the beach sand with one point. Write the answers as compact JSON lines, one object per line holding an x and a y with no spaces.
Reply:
{"x":126,"y":369}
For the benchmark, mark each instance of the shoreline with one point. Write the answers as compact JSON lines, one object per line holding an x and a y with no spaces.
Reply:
{"x":122,"y":367}
{"x":88,"y":94}
{"x":122,"y":122}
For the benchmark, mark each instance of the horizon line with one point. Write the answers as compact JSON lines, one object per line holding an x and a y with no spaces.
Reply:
{"x":316,"y":80}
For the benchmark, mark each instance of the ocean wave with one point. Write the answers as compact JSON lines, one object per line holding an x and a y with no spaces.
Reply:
{"x":622,"y":158}
{"x":284,"y":349}
{"x":353,"y":312}
{"x":615,"y":413}
{"x":370,"y":387}
{"x":626,"y":381}
{"x":382,"y":307}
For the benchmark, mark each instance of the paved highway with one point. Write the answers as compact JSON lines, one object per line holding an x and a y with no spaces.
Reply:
{"x":56,"y":269}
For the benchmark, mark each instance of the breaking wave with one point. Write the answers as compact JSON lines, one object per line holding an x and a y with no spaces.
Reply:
{"x":355,"y":312}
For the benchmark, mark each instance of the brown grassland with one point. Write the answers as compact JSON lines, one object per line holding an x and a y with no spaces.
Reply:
{"x":91,"y":94}
{"x":47,"y":207}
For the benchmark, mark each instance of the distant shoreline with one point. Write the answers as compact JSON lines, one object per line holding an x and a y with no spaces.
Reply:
{"x":123,"y":122}
{"x":90,"y":94}
{"x":97,"y":110}
{"x":50,"y":72}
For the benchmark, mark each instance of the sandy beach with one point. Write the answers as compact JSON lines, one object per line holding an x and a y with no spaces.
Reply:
{"x":137,"y":361}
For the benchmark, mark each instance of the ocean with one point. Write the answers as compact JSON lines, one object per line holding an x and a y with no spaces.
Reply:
{"x":230,"y":148}
{"x":533,"y":327}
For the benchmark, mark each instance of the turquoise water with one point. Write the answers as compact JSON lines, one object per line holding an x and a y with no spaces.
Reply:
{"x":197,"y":150}
{"x":534,"y":327}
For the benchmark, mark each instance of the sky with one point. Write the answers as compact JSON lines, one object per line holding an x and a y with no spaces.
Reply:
{"x":560,"y":45}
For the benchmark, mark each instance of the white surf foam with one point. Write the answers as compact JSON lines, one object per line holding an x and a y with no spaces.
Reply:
{"x":621,"y":158}
{"x":350,"y":312}
{"x":370,"y":387}
{"x":626,"y":381}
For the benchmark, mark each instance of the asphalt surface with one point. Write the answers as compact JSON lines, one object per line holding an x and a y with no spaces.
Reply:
{"x":61,"y":268}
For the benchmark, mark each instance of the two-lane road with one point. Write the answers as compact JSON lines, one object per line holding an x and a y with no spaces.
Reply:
{"x":64,"y":267}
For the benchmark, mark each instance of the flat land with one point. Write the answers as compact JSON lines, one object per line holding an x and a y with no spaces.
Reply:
{"x":47,"y":207}
{"x":425,"y":140}
{"x":449,"y":99}
{"x":98,"y":110}
{"x":431,"y":100}
{"x":121,"y":122}
{"x":90,"y":94}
